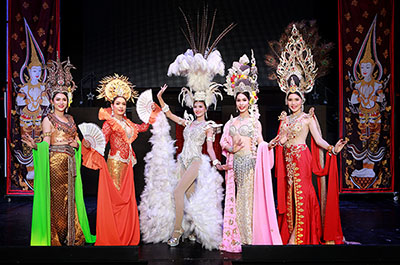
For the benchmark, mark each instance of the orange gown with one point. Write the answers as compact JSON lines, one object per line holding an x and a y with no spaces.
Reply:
{"x":117,"y":213}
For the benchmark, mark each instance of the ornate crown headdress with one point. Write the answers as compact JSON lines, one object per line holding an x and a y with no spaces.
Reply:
{"x":116,"y":86}
{"x":242,"y":77}
{"x":34,"y":57}
{"x":200,"y":63}
{"x":60,"y":78}
{"x":296,"y":60}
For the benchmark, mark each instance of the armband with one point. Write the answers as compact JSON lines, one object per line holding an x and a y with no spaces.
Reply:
{"x":216,"y":162}
{"x":165,"y":108}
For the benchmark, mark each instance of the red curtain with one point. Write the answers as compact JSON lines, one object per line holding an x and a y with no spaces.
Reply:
{"x":366,"y":80}
{"x":33,"y":35}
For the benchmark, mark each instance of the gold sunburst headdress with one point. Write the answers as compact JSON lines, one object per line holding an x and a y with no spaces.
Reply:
{"x":60,"y":78}
{"x":116,"y":86}
{"x":200,"y":63}
{"x":296,"y":70}
{"x":242,"y":77}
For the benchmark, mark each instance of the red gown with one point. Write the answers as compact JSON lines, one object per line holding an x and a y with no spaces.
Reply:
{"x":298,"y":205}
{"x":117,"y":213}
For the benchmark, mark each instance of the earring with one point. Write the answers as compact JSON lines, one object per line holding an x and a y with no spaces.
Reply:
{"x":237,"y":109}
{"x":112,"y":112}
{"x":125,"y":114}
{"x":52,"y":108}
{"x":205,"y":114}
{"x":302,"y":108}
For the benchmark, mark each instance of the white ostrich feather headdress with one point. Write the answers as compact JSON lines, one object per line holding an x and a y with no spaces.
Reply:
{"x":200,"y":63}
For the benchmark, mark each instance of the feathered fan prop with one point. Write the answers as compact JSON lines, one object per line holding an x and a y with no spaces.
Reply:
{"x":319,"y":49}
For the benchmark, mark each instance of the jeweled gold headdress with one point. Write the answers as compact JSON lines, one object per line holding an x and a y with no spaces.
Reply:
{"x":60,"y":78}
{"x":296,"y":60}
{"x":242,"y":77}
{"x":116,"y":86}
{"x":200,"y":63}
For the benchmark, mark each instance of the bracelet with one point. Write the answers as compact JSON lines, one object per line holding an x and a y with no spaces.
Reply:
{"x":216,"y":162}
{"x":333,"y":151}
{"x":46,"y":134}
{"x":230,"y":149}
{"x":330,"y":148}
{"x":165,"y":108}
{"x":210,"y":139}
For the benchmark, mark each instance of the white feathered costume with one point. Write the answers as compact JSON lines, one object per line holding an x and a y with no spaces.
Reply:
{"x":202,"y":211}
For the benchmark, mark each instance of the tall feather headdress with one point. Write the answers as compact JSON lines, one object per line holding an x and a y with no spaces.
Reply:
{"x":200,"y":63}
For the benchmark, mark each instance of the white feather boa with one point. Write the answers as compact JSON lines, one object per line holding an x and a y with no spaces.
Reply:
{"x":203,"y":210}
{"x":157,"y":206}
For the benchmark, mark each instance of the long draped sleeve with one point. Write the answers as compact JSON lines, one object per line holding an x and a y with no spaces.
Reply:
{"x":41,"y":227}
{"x":230,"y":237}
{"x":332,"y":224}
{"x":142,"y":127}
{"x":265,"y":225}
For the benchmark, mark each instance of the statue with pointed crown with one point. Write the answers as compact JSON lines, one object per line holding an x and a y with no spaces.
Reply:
{"x":32,"y":102}
{"x":367,"y":101}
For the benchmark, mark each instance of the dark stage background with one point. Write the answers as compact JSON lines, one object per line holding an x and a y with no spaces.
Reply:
{"x":140,"y":39}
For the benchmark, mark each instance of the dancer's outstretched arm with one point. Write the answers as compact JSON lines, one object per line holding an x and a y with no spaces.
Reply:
{"x":165,"y":108}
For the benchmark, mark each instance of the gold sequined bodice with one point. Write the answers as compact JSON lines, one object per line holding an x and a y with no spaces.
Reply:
{"x":63,"y":131}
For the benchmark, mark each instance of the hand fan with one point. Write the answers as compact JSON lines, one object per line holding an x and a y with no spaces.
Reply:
{"x":94,"y":135}
{"x":143,"y":105}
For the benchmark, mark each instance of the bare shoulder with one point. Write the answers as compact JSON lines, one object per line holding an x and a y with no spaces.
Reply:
{"x":46,"y":120}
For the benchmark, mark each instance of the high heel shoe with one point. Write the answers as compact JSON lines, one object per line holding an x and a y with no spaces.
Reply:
{"x":192,"y":237}
{"x":174,"y":241}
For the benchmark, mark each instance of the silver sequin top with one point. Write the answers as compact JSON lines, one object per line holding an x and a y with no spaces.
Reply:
{"x":194,"y":136}
{"x":244,"y":130}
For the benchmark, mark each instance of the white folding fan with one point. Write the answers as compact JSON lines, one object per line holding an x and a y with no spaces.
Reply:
{"x":94,"y":135}
{"x":143,"y":105}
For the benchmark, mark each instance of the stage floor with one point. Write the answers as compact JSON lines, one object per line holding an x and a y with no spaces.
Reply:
{"x":373,"y":221}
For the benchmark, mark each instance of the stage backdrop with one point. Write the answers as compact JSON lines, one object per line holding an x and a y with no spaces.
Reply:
{"x":33,"y":38}
{"x":366,"y":67}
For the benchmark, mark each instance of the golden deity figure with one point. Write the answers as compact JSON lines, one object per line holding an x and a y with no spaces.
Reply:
{"x":32,"y":100}
{"x":368,"y":101}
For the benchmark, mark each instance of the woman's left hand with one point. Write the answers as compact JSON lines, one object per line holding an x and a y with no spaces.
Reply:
{"x":73,"y":143}
{"x":223,"y":167}
{"x":339,"y":145}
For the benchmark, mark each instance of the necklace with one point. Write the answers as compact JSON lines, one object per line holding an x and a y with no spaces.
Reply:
{"x":293,"y":117}
{"x":197,"y":122}
{"x":240,"y":118}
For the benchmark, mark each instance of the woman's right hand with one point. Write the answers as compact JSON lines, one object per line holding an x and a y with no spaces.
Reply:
{"x":163,"y":88}
{"x":274,"y":142}
{"x":28,"y":140}
{"x":237,"y":145}
{"x":223,"y":167}
{"x":86,"y":144}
